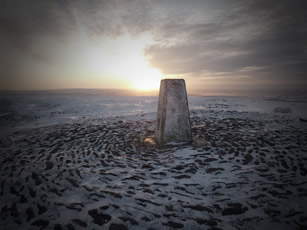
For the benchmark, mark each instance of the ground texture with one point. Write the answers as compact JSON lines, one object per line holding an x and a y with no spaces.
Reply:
{"x":240,"y":173}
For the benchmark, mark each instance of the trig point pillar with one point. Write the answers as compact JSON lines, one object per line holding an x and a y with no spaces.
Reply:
{"x":173,"y":118}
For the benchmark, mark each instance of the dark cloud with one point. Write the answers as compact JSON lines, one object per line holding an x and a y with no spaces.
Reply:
{"x":270,"y":35}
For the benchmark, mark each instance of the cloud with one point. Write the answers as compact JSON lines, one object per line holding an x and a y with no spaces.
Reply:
{"x":33,"y":29}
{"x":264,"y":39}
{"x":268,"y":34}
{"x":23,"y":21}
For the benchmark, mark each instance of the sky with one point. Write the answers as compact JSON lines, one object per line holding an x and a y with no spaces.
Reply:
{"x":217,"y":46}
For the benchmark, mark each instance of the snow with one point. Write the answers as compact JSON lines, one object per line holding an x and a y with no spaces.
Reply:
{"x":79,"y":161}
{"x":29,"y":110}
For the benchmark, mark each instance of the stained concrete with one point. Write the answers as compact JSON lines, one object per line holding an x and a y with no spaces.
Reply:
{"x":173,"y":118}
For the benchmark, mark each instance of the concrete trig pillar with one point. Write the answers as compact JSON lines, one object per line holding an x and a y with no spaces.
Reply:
{"x":173,"y":118}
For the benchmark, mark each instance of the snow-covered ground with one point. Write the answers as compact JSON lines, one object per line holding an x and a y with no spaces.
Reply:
{"x":79,"y":161}
{"x":37,"y":109}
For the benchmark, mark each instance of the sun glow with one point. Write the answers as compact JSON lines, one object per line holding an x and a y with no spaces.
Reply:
{"x":147,"y":79}
{"x":120,"y":61}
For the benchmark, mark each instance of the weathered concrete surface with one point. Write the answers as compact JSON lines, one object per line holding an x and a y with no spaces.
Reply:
{"x":173,"y":118}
